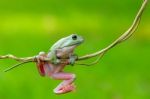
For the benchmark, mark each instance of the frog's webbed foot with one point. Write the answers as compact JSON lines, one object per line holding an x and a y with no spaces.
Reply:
{"x":72,"y":59}
{"x":67,"y":85}
{"x":40,"y":63}
{"x":40,"y":57}
{"x":66,"y":89}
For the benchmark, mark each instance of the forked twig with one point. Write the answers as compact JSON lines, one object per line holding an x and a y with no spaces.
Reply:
{"x":16,"y":65}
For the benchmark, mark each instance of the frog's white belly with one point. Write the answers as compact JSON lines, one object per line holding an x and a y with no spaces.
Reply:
{"x":65,"y":52}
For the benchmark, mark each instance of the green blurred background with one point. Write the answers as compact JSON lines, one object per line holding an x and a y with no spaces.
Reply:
{"x":30,"y":26}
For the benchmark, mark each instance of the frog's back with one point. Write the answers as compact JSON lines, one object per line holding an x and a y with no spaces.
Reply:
{"x":57,"y":45}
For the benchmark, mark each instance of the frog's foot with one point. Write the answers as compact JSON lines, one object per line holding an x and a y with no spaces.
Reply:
{"x":65,"y":86}
{"x":40,"y":63}
{"x":65,"y":89}
{"x":56,"y":61}
{"x":72,"y":59}
{"x":40,"y":57}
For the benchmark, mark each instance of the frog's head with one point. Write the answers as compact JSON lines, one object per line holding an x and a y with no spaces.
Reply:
{"x":72,"y":40}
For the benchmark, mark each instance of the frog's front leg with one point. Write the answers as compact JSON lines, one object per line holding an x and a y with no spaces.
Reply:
{"x":53,"y":57}
{"x":72,"y":59}
{"x":67,"y":85}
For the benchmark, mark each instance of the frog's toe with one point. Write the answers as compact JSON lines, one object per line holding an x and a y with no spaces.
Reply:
{"x":56,"y":61}
{"x":72,"y":62}
{"x":42,"y":53}
{"x":65,"y":89}
{"x":72,"y":59}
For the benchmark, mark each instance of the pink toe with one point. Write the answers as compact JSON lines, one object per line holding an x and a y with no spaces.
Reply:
{"x":65,"y":89}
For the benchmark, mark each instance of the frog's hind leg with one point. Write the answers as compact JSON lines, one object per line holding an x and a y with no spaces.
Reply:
{"x":65,"y":86}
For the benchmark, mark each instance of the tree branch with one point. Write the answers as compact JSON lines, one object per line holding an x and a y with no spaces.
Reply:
{"x":123,"y":37}
{"x":10,"y":56}
{"x":100,"y":53}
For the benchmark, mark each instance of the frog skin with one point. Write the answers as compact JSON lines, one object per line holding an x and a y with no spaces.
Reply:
{"x":62,"y":49}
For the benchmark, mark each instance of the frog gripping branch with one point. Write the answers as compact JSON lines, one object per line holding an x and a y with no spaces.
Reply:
{"x":62,"y":49}
{"x":51,"y":64}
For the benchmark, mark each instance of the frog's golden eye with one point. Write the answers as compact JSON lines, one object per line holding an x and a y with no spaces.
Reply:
{"x":74,"y":37}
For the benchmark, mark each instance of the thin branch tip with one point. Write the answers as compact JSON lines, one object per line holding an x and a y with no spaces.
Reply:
{"x":127,"y":34}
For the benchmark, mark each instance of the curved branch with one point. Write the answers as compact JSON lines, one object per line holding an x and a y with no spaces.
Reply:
{"x":123,"y":37}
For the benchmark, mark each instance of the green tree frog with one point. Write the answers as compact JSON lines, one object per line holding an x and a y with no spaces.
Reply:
{"x":62,"y":49}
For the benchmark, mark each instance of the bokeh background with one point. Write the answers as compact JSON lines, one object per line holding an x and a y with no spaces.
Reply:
{"x":30,"y":26}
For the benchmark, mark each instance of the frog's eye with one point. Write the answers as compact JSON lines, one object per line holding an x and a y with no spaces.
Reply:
{"x":74,"y":37}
